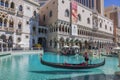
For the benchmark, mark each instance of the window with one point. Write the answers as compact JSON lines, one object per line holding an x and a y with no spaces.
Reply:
{"x":12,"y":5}
{"x":105,"y":26}
{"x":11,"y":23}
{"x":0,"y":21}
{"x":50,"y":42}
{"x":63,"y":1}
{"x":50,"y":14}
{"x":34,"y":13}
{"x":34,"y":29}
{"x":18,"y":39}
{"x":5,"y":23}
{"x":88,"y":20}
{"x":19,"y":25}
{"x":6,"y":4}
{"x":28,"y":8}
{"x":39,"y":30}
{"x":33,"y":41}
{"x":100,"y":25}
{"x":79,"y":17}
{"x":2,"y":2}
{"x":20,"y":8}
{"x":27,"y":22}
{"x":27,"y":36}
{"x":54,"y":2}
{"x":110,"y":29}
{"x":67,"y":13}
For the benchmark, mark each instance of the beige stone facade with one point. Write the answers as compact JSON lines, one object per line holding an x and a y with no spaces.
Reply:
{"x":113,"y":12}
{"x":92,"y":30}
{"x":17,"y":19}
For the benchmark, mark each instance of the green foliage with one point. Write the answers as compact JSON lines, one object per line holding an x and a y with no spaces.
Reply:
{"x":38,"y":45}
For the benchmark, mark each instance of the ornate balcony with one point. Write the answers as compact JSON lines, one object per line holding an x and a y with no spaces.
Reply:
{"x":19,"y":31}
{"x":11,"y":11}
{"x":20,"y":13}
{"x":1,"y":28}
{"x":1,"y":7}
{"x":11,"y":29}
{"x":5,"y":28}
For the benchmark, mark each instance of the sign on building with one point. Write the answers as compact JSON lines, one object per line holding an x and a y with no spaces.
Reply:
{"x":74,"y":12}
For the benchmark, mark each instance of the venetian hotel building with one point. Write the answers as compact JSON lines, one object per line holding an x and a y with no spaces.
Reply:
{"x":76,"y":22}
{"x":18,"y":23}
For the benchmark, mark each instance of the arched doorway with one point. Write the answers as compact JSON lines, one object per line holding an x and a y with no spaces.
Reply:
{"x":86,"y":44}
{"x":61,"y":42}
{"x":42,"y":41}
{"x":67,"y":41}
{"x":10,"y":42}
{"x":4,"y":42}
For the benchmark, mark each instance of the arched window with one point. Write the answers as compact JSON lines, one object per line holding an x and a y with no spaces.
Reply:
{"x":105,"y":26}
{"x":19,"y":25}
{"x":34,"y":29}
{"x":79,"y":17}
{"x":2,"y":2}
{"x":60,"y":28}
{"x":1,"y":21}
{"x":50,"y":14}
{"x":5,"y":23}
{"x":110,"y":29}
{"x":33,"y":41}
{"x":20,"y":8}
{"x":68,"y":30}
{"x":34,"y":13}
{"x":18,"y":39}
{"x":100,"y":25}
{"x":12,"y":5}
{"x":11,"y":23}
{"x":67,"y":13}
{"x":88,"y":20}
{"x":3,"y":37}
{"x":6,"y":4}
{"x":50,"y":42}
{"x":10,"y":41}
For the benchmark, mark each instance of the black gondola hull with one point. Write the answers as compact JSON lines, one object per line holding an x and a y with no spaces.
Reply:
{"x":72,"y":66}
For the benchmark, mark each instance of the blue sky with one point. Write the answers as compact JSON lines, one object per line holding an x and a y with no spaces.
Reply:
{"x":112,"y":2}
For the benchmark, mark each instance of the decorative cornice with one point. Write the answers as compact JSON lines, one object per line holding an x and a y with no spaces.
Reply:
{"x":33,"y":2}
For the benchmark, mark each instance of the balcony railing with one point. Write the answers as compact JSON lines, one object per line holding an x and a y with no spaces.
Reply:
{"x":1,"y":7}
{"x":11,"y":11}
{"x":2,"y":28}
{"x":5,"y":28}
{"x":18,"y":31}
{"x":20,"y":13}
{"x":11,"y":29}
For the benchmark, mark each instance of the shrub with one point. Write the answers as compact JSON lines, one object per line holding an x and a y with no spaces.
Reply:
{"x":37,"y":45}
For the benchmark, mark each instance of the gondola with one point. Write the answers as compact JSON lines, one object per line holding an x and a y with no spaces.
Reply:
{"x":110,"y":55}
{"x":67,"y":53}
{"x":72,"y":66}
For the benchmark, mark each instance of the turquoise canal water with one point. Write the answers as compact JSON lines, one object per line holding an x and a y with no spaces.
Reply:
{"x":28,"y":67}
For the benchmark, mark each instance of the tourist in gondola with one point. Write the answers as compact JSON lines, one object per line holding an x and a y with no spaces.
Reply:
{"x":86,"y":57}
